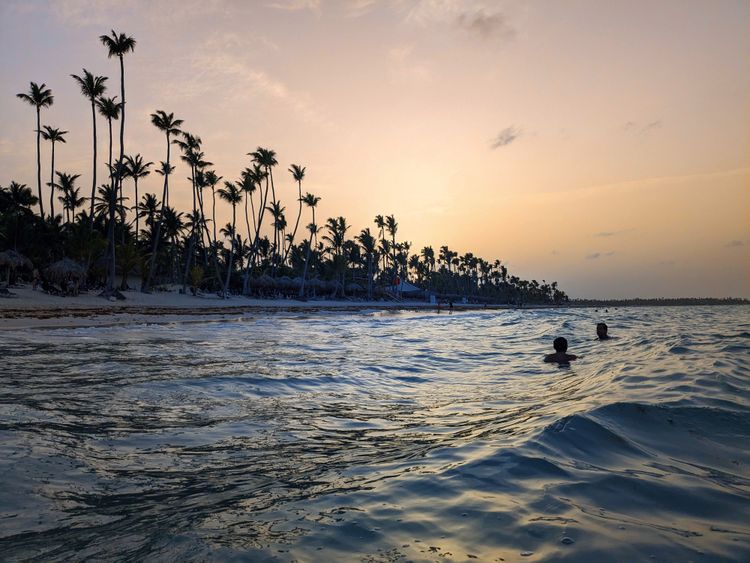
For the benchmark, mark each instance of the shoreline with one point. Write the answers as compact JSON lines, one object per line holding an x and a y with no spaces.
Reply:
{"x":34,"y":309}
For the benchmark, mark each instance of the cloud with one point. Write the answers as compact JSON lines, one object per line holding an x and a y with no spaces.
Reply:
{"x":612,"y":233}
{"x":734,"y":244}
{"x":597,"y":255}
{"x":486,"y":26}
{"x":505,"y":137}
{"x":403,"y":64}
{"x":295,"y":5}
{"x":480,"y":18}
{"x":642,"y":129}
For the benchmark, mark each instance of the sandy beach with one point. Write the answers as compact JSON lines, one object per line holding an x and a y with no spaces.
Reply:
{"x":27,"y":308}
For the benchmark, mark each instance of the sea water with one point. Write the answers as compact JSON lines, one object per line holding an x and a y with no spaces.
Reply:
{"x":380,"y":436}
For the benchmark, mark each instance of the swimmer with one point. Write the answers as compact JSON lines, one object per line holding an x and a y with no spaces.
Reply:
{"x":601,"y":331}
{"x":560,"y":356}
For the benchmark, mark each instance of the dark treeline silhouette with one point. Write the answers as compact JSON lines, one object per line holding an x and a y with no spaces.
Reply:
{"x":659,"y":302}
{"x":104,"y":240}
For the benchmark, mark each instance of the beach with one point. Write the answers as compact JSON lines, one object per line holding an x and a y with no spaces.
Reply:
{"x":27,"y":308}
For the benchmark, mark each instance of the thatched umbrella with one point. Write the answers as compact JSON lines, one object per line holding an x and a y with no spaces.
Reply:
{"x":64,"y":270}
{"x":297,"y":282}
{"x":13,"y":261}
{"x":285,"y":282}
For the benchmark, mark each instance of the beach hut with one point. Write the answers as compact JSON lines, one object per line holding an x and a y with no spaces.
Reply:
{"x":66,"y":273}
{"x":13,"y":261}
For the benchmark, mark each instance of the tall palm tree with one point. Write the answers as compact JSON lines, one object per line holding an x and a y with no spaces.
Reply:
{"x":231,"y":194}
{"x":109,"y":108}
{"x":54,"y":136}
{"x":135,"y":168}
{"x":70,"y":198}
{"x":167,"y":123}
{"x":298,"y":173}
{"x":39,"y":97}
{"x":92,"y":87}
{"x":267,"y":159}
{"x":118,"y":45}
{"x":310,"y":201}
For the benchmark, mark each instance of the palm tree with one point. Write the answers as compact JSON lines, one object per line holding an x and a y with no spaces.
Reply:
{"x":92,"y":87}
{"x":135,"y":168}
{"x":70,"y":199}
{"x":369,"y":245}
{"x":267,"y":159}
{"x":392,"y":227}
{"x":54,"y":136}
{"x":109,"y":108}
{"x":118,"y":45}
{"x":167,"y":123}
{"x":232,"y":194}
{"x":39,"y":97}
{"x":298,"y":173}
{"x":313,"y":229}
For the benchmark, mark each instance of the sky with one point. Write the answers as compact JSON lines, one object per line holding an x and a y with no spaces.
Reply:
{"x":605,"y":145}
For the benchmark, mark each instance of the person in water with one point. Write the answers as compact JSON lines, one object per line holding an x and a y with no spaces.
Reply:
{"x":601,"y":331}
{"x":560,"y":356}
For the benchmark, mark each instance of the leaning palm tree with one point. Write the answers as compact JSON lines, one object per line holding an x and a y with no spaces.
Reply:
{"x":118,"y":45}
{"x":92,"y":87}
{"x":39,"y":97}
{"x":298,"y":173}
{"x":232,"y":194}
{"x":135,"y":168}
{"x":54,"y":136}
{"x":167,"y":123}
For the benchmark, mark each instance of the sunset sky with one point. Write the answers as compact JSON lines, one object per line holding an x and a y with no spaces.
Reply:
{"x":605,"y":145}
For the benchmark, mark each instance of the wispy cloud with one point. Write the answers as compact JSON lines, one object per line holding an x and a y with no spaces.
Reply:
{"x":505,"y":137}
{"x":734,"y":244}
{"x":481,"y":18}
{"x":404,"y":65}
{"x":295,"y":5}
{"x":642,"y":128}
{"x":606,"y":234}
{"x":486,"y":25}
{"x":597,"y":255}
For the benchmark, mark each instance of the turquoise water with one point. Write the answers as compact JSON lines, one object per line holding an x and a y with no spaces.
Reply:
{"x":380,"y":436}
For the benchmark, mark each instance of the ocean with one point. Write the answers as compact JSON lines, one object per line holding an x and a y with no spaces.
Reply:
{"x":380,"y":436}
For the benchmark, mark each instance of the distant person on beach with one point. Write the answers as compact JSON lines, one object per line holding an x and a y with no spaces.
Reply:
{"x":560,"y":356}
{"x":601,"y":331}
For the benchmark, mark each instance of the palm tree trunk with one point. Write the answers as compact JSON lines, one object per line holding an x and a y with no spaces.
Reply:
{"x":191,"y":244}
{"x":152,"y":262}
{"x":52,"y":184}
{"x":137,"y":215}
{"x":231,"y":252}
{"x":304,"y":271}
{"x":93,"y":174}
{"x":296,"y":224}
{"x":254,"y":248}
{"x":39,"y":161}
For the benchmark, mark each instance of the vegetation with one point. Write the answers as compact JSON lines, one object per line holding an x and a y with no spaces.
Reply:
{"x":107,"y":238}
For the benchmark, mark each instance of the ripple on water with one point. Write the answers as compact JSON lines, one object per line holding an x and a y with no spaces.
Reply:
{"x":380,"y":437}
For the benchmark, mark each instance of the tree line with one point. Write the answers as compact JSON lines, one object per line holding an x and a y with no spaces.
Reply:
{"x":266,"y":249}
